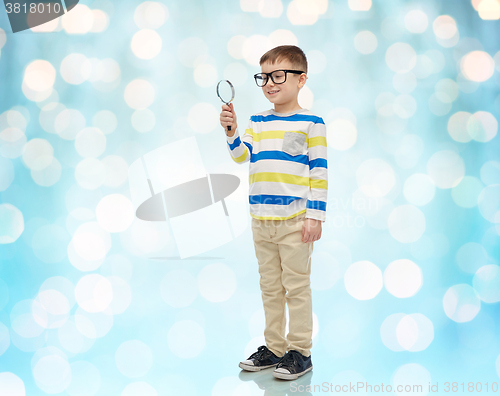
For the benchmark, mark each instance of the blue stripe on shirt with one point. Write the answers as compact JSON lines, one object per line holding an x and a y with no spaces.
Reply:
{"x":279,"y":155}
{"x":295,"y":117}
{"x":249,"y":147}
{"x":319,"y":205}
{"x":235,"y":144}
{"x":318,"y":162}
{"x":272,"y":199}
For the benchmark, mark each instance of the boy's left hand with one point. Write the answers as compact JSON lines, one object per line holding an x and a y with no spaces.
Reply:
{"x":311,"y":231}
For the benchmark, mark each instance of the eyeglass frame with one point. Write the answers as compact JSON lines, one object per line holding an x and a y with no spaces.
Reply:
{"x":269,"y":75}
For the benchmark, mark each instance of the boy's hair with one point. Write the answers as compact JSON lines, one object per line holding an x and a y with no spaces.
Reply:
{"x":291,"y":53}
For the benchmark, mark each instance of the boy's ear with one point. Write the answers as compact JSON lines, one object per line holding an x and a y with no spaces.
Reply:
{"x":302,"y":80}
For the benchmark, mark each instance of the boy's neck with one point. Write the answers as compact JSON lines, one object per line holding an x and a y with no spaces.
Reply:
{"x":286,"y":107}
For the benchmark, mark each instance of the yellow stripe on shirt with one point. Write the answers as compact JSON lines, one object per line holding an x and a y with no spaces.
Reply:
{"x":277,"y":218}
{"x":257,"y":137}
{"x":319,"y":183}
{"x":278,"y":178}
{"x":317,"y":141}
{"x":242,"y":157}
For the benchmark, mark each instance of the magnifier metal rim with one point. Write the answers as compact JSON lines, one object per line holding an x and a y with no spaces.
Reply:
{"x":232,"y":91}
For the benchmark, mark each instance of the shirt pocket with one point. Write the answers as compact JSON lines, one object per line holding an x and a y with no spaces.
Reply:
{"x":293,"y":143}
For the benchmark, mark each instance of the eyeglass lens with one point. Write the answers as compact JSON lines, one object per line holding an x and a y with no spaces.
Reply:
{"x":278,"y":77}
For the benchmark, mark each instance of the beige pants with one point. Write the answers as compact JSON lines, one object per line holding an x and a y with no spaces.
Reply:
{"x":285,"y":269}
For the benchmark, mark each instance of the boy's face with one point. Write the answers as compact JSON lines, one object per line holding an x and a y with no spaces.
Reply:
{"x":285,"y":93}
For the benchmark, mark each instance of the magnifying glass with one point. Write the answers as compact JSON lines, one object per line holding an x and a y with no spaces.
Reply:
{"x":225,"y":91}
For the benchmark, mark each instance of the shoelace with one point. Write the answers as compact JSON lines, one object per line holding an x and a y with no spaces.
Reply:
{"x":260,"y":352}
{"x":289,"y":360}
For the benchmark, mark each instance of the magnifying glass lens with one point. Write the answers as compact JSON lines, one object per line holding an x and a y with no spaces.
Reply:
{"x":225,"y":92}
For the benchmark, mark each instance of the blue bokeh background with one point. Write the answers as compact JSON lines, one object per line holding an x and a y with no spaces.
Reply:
{"x":405,"y":278}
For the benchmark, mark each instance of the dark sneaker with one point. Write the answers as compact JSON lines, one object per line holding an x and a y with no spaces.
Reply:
{"x":260,"y":360}
{"x":293,"y":365}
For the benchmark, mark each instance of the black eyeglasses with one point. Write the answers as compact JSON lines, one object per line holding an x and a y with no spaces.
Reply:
{"x":278,"y":77}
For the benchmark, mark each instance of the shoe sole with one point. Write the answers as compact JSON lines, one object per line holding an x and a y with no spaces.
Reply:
{"x":247,"y":367}
{"x":291,"y":376}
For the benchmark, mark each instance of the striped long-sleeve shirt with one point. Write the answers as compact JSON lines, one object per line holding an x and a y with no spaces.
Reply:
{"x":288,"y":164}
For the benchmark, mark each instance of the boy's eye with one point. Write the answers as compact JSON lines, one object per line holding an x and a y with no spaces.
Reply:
{"x":261,"y":79}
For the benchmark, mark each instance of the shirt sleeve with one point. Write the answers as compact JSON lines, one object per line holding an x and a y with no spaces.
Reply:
{"x":241,"y":149}
{"x":318,"y":172}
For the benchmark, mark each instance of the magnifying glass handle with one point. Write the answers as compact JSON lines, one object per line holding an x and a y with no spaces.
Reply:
{"x":229,"y":126}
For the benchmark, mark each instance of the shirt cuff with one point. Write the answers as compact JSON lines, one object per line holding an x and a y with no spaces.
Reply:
{"x":316,"y":215}
{"x":231,"y":139}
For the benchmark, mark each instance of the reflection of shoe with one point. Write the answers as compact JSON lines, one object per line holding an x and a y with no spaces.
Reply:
{"x":261,"y":378}
{"x":293,"y":365}
{"x":260,"y":360}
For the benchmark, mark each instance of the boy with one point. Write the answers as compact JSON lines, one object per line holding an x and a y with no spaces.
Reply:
{"x":286,"y":148}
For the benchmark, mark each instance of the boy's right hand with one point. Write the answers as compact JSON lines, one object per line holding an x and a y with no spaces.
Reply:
{"x":228,"y":117}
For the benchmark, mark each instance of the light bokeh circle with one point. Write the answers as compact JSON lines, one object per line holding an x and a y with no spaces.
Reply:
{"x":419,"y":189}
{"x":446,"y":168}
{"x":406,"y":223}
{"x":471,"y":256}
{"x":401,"y":57}
{"x":11,"y":223}
{"x":139,"y":94}
{"x":11,"y":384}
{"x":75,"y":68}
{"x":401,"y":332}
{"x":139,"y":388}
{"x":403,"y":278}
{"x":365,"y":42}
{"x":477,"y":66}
{"x":341,"y":134}
{"x":91,"y":242}
{"x":375,"y":177}
{"x":146,"y":44}
{"x":489,"y":203}
{"x":115,"y":213}
{"x":85,"y":379}
{"x":143,"y":120}
{"x":482,"y":126}
{"x":150,"y":14}
{"x":39,"y":75}
{"x":4,"y":339}
{"x":363,"y":280}
{"x":411,"y":375}
{"x":416,"y":21}
{"x":203,"y":117}
{"x":466,"y":193}
{"x":486,"y":282}
{"x":52,"y":374}
{"x":90,"y":142}
{"x":217,"y":282}
{"x":461,"y":303}
{"x":457,"y":126}
{"x":93,"y":293}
